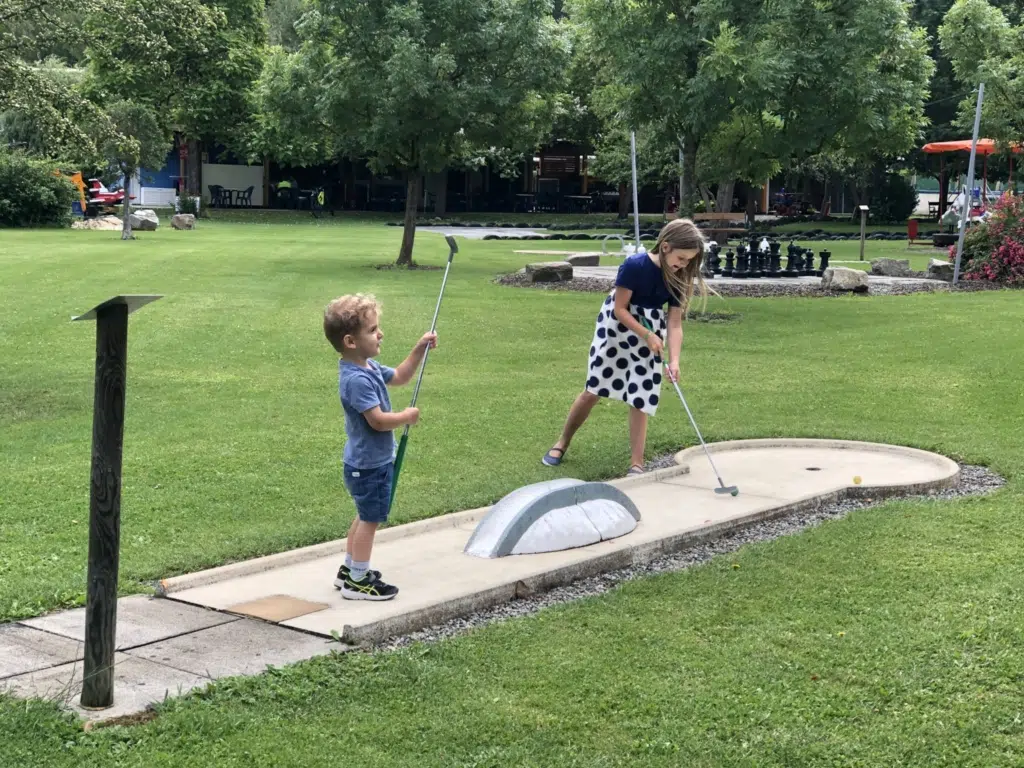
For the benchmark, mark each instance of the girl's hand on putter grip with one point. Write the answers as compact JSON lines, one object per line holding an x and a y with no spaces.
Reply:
{"x":654,"y":343}
{"x":411,"y":415}
{"x":673,"y":371}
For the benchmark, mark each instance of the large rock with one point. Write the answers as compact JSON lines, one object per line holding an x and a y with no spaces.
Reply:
{"x":549,"y":272}
{"x":111,"y":223}
{"x":585,"y":259}
{"x":940,"y":270}
{"x":891,"y":267}
{"x":145,"y":220}
{"x":844,"y":279}
{"x":183,"y":221}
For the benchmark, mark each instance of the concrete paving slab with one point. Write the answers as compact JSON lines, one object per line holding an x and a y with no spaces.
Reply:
{"x":140,"y":620}
{"x":276,"y":608}
{"x":438,"y":581}
{"x":24,"y":649}
{"x":244,"y":647}
{"x":138,"y":683}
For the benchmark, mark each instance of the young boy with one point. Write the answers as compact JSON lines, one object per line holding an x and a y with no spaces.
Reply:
{"x":351,"y":324}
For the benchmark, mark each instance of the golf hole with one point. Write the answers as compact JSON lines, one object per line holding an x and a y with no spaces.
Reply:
{"x":813,"y":469}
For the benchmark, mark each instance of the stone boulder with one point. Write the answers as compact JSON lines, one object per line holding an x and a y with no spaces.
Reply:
{"x":844,"y":279}
{"x":549,"y":272}
{"x":111,"y":223}
{"x":891,"y":267}
{"x":183,"y":221}
{"x":145,"y":220}
{"x":940,"y":270}
{"x":585,"y":259}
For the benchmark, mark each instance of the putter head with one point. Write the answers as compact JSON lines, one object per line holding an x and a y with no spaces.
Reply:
{"x":732,"y":490}
{"x":452,"y":245}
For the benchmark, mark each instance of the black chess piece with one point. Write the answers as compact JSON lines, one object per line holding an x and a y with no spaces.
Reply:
{"x":808,"y":269}
{"x":716,"y":259}
{"x":791,"y":261}
{"x":742,"y":262}
{"x":823,"y":265}
{"x":755,"y":258}
{"x":730,"y":264}
{"x":773,"y":259}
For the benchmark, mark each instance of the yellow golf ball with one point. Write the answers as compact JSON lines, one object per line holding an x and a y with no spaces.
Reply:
{"x":856,"y":480}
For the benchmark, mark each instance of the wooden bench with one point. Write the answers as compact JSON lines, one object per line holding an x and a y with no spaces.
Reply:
{"x":734,"y":219}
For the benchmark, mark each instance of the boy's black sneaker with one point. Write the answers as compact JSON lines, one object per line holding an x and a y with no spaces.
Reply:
{"x":344,"y":571}
{"x":367,"y":589}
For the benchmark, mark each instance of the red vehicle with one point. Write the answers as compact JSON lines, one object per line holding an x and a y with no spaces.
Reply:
{"x":103,"y":200}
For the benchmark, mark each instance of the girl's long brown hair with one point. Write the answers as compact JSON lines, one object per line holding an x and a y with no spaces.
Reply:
{"x":683,"y":234}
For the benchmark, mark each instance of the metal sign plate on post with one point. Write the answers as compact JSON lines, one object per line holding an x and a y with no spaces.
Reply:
{"x":105,"y":495}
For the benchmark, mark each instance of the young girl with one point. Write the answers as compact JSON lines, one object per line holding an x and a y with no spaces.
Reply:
{"x":625,"y":356}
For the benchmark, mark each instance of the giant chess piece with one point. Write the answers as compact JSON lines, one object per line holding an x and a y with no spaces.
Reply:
{"x":791,"y":261}
{"x":773,"y":259}
{"x":742,"y":262}
{"x":824,"y":256}
{"x":730,"y":264}
{"x":716,"y":259}
{"x":755,"y":258}
{"x":808,"y":269}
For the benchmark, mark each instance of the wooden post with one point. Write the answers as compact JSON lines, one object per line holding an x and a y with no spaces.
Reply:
{"x":105,"y":496}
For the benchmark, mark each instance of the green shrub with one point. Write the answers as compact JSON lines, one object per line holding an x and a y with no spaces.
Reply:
{"x":32,"y":194}
{"x":994,"y":250}
{"x":894,"y":200}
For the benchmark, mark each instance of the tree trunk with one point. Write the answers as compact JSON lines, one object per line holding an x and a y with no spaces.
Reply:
{"x":686,"y":203}
{"x":126,"y":212}
{"x":193,"y":168}
{"x":625,"y":200}
{"x":752,"y":193}
{"x":441,"y":202}
{"x":412,"y":193}
{"x":723,"y":200}
{"x":823,"y":209}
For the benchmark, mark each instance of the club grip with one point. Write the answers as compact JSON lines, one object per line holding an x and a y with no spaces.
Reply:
{"x":452,"y":246}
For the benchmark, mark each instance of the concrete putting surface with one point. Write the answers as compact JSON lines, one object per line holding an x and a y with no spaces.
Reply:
{"x":237,"y":619}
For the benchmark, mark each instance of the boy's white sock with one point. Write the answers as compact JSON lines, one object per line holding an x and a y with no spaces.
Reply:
{"x":348,"y":561}
{"x":359,"y":570}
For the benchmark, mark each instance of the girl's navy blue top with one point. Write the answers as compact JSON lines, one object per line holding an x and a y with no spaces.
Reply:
{"x":643,"y":277}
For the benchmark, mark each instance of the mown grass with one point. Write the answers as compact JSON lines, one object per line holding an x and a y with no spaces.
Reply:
{"x":892,"y":637}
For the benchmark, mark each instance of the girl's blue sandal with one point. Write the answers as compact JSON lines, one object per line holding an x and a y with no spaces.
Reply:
{"x":551,"y":460}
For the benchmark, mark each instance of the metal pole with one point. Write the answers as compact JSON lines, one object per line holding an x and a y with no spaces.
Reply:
{"x":970,"y":183}
{"x":636,"y":204}
{"x":863,"y":223}
{"x":679,"y":208}
{"x":105,"y":507}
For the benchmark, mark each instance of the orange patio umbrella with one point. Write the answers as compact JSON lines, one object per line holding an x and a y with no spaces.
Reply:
{"x":985,"y":148}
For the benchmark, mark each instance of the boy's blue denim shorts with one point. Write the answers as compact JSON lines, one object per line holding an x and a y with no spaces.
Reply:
{"x":371,"y":491}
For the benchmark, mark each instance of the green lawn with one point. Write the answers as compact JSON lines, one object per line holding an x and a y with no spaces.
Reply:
{"x":892,"y":637}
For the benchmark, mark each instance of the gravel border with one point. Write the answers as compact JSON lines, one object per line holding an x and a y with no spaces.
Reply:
{"x":974,"y":481}
{"x":755,"y":289}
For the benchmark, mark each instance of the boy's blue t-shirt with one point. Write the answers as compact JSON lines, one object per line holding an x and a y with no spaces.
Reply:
{"x":361,"y":389}
{"x":643,"y":277}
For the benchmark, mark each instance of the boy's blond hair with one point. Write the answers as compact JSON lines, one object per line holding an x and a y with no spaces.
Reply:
{"x":346,"y":315}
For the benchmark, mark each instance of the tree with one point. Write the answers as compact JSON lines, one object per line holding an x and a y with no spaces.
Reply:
{"x":35,"y":98}
{"x":420,"y":87}
{"x":757,"y":86}
{"x":193,"y":62}
{"x":983,"y":46}
{"x":142,"y":142}
{"x":282,"y":16}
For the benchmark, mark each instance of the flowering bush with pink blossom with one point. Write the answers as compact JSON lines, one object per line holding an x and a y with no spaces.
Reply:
{"x":994,"y":250}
